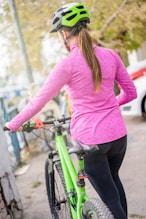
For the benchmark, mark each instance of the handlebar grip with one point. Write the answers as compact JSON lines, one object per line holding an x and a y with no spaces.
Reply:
{"x":5,"y":128}
{"x":28,"y":127}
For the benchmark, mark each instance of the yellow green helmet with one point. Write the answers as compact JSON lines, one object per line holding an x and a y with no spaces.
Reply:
{"x":69,"y":15}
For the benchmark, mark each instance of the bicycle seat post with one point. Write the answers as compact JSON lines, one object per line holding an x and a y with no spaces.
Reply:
{"x":81,"y":171}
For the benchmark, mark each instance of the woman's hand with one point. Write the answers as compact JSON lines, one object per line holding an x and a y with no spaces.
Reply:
{"x":7,"y":126}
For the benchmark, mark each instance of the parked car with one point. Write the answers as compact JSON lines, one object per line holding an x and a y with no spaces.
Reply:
{"x":138,"y":106}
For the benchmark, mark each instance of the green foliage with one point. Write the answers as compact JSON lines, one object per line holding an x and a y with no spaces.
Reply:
{"x":127,"y":30}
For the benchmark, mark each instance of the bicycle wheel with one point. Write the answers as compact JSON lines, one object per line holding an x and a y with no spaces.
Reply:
{"x":96,"y":209}
{"x":56,"y":191}
{"x":49,"y":136}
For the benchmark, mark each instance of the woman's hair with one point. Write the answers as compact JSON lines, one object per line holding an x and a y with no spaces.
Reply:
{"x":85,"y":43}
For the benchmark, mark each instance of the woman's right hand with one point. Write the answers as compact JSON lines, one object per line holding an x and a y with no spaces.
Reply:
{"x":6,"y":126}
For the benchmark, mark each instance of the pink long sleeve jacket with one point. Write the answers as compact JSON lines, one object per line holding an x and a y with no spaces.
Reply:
{"x":96,"y":117}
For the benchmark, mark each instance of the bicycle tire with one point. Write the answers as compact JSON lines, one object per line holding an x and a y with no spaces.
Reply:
{"x":96,"y":209}
{"x":56,"y":191}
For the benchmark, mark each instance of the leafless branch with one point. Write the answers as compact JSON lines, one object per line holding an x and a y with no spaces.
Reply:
{"x":92,"y":7}
{"x":109,"y":21}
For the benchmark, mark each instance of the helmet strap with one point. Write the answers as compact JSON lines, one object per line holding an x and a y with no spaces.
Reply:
{"x":70,"y":35}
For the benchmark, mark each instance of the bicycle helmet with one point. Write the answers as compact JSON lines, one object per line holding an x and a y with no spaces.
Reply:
{"x":69,"y":15}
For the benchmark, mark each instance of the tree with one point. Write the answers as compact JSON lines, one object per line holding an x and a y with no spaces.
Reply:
{"x":122,"y":26}
{"x":126,"y":28}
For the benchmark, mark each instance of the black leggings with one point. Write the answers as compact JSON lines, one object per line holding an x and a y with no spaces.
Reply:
{"x":102,"y":168}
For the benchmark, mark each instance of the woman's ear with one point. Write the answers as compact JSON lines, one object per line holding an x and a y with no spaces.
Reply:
{"x":65,"y":34}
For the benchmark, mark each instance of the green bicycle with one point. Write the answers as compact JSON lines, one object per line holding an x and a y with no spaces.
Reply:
{"x":65,"y":184}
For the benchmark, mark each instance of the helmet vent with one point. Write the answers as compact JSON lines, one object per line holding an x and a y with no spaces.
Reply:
{"x":67,"y":12}
{"x":71,"y":17}
{"x":80,"y":7}
{"x":83,"y":12}
{"x":56,"y":20}
{"x":60,"y":9}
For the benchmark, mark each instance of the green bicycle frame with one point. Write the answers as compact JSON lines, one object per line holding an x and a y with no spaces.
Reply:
{"x":76,"y":194}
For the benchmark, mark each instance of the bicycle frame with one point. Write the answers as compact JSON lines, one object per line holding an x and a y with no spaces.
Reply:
{"x":76,"y":194}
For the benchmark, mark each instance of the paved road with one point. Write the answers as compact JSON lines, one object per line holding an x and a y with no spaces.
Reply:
{"x":133,"y":173}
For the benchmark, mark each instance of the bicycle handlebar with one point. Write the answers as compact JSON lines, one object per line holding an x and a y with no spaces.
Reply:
{"x":36,"y":123}
{"x":54,"y":120}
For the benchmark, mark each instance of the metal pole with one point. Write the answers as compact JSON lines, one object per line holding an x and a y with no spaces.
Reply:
{"x":21,"y":40}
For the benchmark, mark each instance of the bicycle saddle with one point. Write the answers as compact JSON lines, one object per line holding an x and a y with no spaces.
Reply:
{"x":82,"y":150}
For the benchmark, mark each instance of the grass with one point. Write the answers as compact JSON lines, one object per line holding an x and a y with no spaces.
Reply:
{"x":28,"y":197}
{"x":136,"y":216}
{"x":36,"y":184}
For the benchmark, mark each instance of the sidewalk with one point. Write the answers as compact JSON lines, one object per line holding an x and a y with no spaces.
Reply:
{"x":32,"y":189}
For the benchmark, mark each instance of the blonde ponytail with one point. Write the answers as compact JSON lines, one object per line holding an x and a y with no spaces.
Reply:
{"x":85,"y":43}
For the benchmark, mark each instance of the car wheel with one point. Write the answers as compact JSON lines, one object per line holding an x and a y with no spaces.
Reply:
{"x":144,"y":107}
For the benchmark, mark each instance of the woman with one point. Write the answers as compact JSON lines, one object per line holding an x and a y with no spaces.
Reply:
{"x":89,"y":73}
